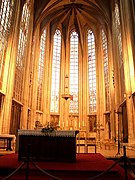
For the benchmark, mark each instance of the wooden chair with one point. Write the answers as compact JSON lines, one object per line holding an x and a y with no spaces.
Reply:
{"x":91,"y":141}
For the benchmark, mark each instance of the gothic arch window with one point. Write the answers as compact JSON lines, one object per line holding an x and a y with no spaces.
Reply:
{"x":106,"y":70}
{"x":56,"y":72}
{"x":91,"y":72}
{"x":6,"y":14}
{"x":23,"y":38}
{"x":41,"y":71}
{"x":119,"y":41}
{"x":74,"y":72}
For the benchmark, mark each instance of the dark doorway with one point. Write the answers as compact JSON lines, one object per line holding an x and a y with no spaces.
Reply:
{"x":15,"y":117}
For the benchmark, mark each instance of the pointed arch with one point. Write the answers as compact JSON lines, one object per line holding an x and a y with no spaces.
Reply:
{"x":41,"y":70}
{"x":55,"y":86}
{"x":106,"y":70}
{"x":91,"y":71}
{"x":20,"y":61}
{"x":74,"y":72}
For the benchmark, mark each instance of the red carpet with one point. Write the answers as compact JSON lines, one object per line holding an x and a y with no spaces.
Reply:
{"x":86,"y":166}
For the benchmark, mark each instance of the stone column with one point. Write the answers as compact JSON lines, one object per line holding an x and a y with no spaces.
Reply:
{"x":129,"y":70}
{"x":25,"y":123}
{"x":9,"y":69}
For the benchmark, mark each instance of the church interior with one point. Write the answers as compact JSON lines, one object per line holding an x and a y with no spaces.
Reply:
{"x":70,"y":65}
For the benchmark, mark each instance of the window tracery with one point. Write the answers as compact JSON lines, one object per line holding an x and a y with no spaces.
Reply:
{"x":74,"y":72}
{"x":91,"y":72}
{"x":55,"y":87}
{"x":41,"y":71}
{"x":6,"y":14}
{"x":23,"y":38}
{"x":119,"y":40}
{"x":106,"y":70}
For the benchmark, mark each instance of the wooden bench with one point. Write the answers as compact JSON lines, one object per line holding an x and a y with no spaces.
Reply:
{"x":85,"y":142}
{"x":6,"y":141}
{"x":91,"y":141}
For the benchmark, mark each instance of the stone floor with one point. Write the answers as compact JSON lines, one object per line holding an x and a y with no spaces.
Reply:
{"x":114,"y":153}
{"x":108,"y":152}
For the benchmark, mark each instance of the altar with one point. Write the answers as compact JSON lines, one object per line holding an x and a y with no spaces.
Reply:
{"x":56,"y":146}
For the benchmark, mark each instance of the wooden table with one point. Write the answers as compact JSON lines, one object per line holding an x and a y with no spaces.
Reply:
{"x":58,"y":146}
{"x":8,"y":138}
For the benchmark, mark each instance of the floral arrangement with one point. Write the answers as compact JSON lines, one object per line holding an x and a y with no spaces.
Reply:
{"x":50,"y":127}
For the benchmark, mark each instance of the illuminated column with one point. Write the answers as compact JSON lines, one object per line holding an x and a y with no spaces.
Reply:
{"x":129,"y":71}
{"x":66,"y":96}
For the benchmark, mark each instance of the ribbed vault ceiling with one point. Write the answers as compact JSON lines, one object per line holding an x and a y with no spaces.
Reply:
{"x":70,"y":13}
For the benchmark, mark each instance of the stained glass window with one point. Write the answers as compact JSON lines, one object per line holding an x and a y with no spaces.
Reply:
{"x":6,"y":14}
{"x":106,"y":70}
{"x":91,"y":72}
{"x":41,"y":70}
{"x":23,"y":37}
{"x":119,"y":41}
{"x":56,"y":72}
{"x":74,"y":72}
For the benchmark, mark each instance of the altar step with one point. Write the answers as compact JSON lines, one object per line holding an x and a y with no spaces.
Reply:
{"x":129,"y":165}
{"x":86,"y":166}
{"x":63,"y":175}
